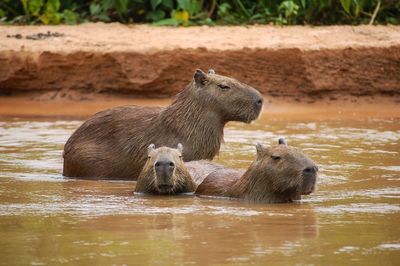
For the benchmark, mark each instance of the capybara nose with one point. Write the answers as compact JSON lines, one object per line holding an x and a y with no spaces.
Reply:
{"x":164,"y":169}
{"x":164,"y":164}
{"x":310,"y":170}
{"x":259,"y":102}
{"x":309,"y":179}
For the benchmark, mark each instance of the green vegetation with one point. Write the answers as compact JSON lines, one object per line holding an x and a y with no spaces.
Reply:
{"x":200,"y":12}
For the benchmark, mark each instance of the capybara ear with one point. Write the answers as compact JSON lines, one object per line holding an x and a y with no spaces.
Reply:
{"x":282,"y":141}
{"x":180,"y":148}
{"x":151,"y":148}
{"x":261,"y":149}
{"x":211,"y":71}
{"x":200,"y":77}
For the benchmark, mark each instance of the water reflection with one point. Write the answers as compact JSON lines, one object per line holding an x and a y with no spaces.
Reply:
{"x":353,"y":216}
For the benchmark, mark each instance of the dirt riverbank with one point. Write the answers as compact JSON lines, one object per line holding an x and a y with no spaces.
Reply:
{"x":302,"y":63}
{"x":275,"y":107}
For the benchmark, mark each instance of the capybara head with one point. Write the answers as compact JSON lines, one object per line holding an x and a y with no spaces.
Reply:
{"x":164,"y":172}
{"x":285,"y":170}
{"x":229,"y":98}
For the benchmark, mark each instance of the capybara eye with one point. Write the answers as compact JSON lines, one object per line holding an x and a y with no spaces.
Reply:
{"x":223,"y":87}
{"x":275,"y":158}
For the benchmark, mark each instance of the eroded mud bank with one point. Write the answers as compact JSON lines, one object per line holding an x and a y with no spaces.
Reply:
{"x":297,"y":62}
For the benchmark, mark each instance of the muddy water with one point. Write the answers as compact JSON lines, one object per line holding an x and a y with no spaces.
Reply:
{"x":354,"y":216}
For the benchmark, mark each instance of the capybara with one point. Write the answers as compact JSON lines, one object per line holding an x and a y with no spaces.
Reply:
{"x":112,"y":143}
{"x":279,"y":174}
{"x":164,"y":172}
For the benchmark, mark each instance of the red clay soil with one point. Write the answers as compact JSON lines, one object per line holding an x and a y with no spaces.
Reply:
{"x":296,"y":62}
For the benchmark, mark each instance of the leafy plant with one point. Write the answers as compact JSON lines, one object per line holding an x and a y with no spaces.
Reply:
{"x":356,"y":8}
{"x":187,"y":12}
{"x":45,"y":11}
{"x":200,"y":12}
{"x":289,"y":10}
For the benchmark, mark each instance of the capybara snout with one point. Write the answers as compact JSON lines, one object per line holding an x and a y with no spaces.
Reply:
{"x":258,"y":102}
{"x":309,"y":179}
{"x":164,"y":169}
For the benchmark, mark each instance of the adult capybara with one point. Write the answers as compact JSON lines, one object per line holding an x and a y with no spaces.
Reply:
{"x":112,"y":143}
{"x":279,"y":174}
{"x":165,"y":172}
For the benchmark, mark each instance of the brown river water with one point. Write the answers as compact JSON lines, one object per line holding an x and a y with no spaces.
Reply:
{"x":353,"y":217}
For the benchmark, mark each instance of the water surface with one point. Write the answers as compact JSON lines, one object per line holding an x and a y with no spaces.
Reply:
{"x":354,"y":216}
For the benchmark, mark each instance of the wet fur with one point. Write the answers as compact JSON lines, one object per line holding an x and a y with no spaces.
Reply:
{"x":264,"y":180}
{"x":112,"y":143}
{"x":183,"y":182}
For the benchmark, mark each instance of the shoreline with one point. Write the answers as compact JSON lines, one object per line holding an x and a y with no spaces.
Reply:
{"x":345,"y":108}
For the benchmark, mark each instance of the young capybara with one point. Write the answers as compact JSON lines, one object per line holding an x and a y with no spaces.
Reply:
{"x":164,"y":173}
{"x":279,"y":174}
{"x":112,"y":143}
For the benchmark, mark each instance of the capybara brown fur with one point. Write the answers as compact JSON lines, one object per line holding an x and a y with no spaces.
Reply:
{"x":112,"y":143}
{"x":164,"y":173}
{"x":279,"y":174}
